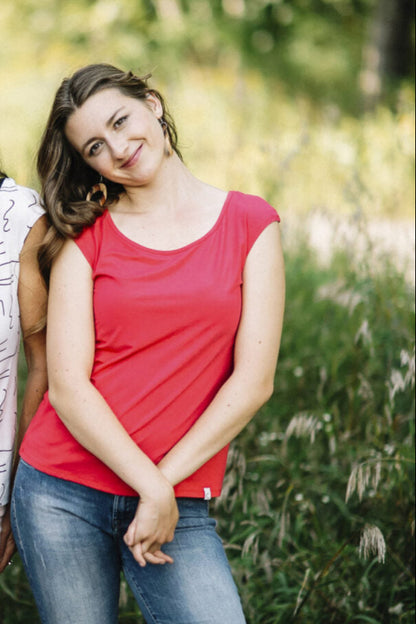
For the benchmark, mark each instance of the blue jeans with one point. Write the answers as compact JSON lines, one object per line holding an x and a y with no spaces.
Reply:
{"x":70,"y":538}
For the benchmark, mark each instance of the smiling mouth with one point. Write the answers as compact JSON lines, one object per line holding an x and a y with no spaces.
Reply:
{"x":133,"y":159}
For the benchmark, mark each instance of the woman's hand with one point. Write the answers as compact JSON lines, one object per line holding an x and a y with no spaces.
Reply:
{"x":7,"y":546}
{"x":153,"y":525}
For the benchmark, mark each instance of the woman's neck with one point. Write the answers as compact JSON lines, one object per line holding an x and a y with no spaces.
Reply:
{"x":173,"y":183}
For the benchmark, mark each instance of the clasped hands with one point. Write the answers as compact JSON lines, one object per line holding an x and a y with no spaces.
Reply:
{"x":152,"y":526}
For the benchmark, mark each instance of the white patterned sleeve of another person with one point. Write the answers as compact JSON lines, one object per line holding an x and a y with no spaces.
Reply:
{"x":22,"y":305}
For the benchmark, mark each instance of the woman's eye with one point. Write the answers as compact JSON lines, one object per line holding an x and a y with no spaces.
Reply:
{"x":120,"y":121}
{"x":94,"y":148}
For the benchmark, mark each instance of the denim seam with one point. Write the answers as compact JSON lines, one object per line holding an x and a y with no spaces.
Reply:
{"x":139,"y":591}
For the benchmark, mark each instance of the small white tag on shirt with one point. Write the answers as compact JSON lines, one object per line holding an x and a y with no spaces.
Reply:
{"x":207,"y":493}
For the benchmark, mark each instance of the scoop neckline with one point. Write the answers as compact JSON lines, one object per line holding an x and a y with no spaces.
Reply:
{"x":152,"y":250}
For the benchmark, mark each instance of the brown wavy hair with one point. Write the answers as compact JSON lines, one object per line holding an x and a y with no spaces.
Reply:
{"x":65,"y":177}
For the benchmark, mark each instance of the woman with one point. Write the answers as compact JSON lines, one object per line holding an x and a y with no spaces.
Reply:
{"x":164,"y":320}
{"x":22,"y":307}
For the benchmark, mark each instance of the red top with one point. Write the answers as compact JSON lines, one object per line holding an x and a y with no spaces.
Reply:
{"x":165,"y":325}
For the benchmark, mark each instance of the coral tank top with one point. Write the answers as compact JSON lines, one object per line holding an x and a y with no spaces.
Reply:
{"x":165,"y":326}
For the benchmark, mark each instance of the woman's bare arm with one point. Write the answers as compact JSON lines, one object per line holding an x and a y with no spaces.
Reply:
{"x":256,"y":352}
{"x":32,"y":304}
{"x":83,"y":410}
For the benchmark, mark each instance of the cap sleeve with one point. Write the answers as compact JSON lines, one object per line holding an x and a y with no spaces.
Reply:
{"x":89,"y":241}
{"x":257,"y":213}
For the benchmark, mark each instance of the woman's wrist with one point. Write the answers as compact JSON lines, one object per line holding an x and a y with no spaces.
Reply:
{"x":156,"y":487}
{"x":167,"y":475}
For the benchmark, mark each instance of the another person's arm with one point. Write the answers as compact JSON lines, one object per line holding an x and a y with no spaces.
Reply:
{"x":83,"y":410}
{"x":256,"y":351}
{"x":32,"y":306}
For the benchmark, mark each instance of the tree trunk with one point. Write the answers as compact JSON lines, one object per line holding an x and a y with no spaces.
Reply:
{"x":387,"y":55}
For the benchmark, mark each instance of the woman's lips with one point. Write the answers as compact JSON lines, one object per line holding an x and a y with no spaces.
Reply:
{"x":133,"y":159}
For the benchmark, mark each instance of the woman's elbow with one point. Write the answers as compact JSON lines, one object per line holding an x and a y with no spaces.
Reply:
{"x":54,"y":396}
{"x":261,"y":393}
{"x":59,"y":393}
{"x":266,"y":391}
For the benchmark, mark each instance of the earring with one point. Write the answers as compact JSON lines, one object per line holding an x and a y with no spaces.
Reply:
{"x":164,"y":125}
{"x":98,"y":188}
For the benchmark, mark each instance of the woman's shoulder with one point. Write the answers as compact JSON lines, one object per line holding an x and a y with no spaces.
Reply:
{"x":20,"y":208}
{"x":25,"y":199}
{"x":252,"y":206}
{"x":93,"y":229}
{"x":89,"y":241}
{"x":248,"y":215}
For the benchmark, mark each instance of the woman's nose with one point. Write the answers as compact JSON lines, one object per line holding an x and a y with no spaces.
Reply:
{"x":118,"y":146}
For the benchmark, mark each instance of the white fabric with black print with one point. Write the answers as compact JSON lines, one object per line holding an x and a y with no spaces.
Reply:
{"x":19,"y":210}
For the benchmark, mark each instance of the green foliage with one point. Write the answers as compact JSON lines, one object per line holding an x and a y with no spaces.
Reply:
{"x":344,"y":402}
{"x":314,"y":46}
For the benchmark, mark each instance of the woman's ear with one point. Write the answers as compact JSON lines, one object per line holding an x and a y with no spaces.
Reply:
{"x":154,"y":104}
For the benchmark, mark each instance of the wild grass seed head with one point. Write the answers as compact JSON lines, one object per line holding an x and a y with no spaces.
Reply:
{"x":339,"y":293}
{"x":372,"y":543}
{"x":302,"y":425}
{"x":362,"y":475}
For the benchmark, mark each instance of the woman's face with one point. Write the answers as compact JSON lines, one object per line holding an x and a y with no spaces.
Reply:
{"x":119,"y":136}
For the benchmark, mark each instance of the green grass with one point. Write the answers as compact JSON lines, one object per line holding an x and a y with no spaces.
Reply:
{"x":344,"y":395}
{"x":343,"y":404}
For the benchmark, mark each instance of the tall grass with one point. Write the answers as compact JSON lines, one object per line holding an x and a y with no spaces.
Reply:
{"x":318,"y":508}
{"x":317,"y":512}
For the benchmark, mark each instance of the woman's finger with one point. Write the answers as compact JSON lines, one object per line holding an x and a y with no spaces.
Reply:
{"x":137,"y":552}
{"x":157,"y":558}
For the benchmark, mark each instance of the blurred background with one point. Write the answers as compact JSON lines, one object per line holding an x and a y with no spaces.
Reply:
{"x":310,"y":104}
